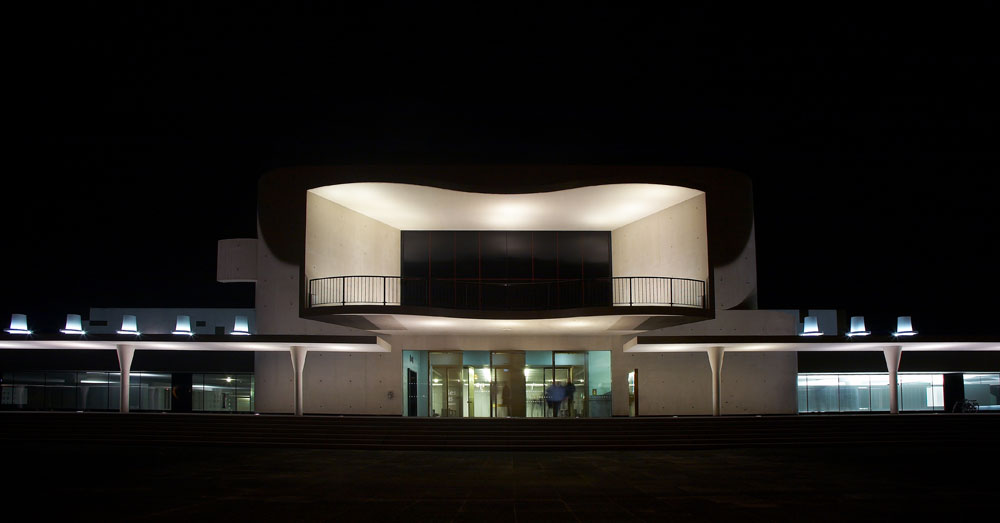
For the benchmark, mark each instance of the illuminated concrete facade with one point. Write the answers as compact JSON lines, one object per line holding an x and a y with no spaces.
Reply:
{"x":377,"y":287}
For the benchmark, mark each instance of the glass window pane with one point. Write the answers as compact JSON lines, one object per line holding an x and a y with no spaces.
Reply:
{"x":823,"y":393}
{"x":153,"y":391}
{"x":60,"y":390}
{"x":854,"y":393}
{"x":985,"y":389}
{"x":219,"y":392}
{"x":599,"y":377}
{"x":880,"y":392}
{"x":803,"y":390}
{"x":93,"y":393}
{"x":921,"y":392}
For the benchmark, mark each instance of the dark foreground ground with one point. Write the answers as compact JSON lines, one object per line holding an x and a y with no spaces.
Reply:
{"x":871,"y":483}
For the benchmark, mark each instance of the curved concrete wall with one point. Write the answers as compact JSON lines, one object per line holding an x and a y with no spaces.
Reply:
{"x":672,"y":242}
{"x":342,"y":242}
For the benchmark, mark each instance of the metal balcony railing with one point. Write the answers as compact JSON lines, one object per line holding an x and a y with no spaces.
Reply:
{"x":454,"y":293}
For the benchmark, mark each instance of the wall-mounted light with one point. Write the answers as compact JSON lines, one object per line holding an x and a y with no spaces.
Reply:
{"x":858,"y":327}
{"x":904,"y":327}
{"x":241,"y":327}
{"x":183,"y":325}
{"x":74,"y":325}
{"x":129,"y":325}
{"x":18,"y":324}
{"x":810,"y":327}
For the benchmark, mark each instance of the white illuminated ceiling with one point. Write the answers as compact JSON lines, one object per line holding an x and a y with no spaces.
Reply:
{"x":192,"y":344}
{"x":416,"y":207}
{"x":585,"y":325}
{"x":806,"y":346}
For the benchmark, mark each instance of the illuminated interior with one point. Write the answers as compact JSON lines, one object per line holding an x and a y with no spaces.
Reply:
{"x":417,"y":207}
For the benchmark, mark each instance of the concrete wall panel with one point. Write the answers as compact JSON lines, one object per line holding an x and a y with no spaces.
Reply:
{"x":759,"y":383}
{"x":672,"y":242}
{"x":342,"y":242}
{"x":236,"y":260}
{"x":274,"y":384}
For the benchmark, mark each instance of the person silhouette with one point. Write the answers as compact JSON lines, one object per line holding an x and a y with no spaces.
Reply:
{"x":555,"y":395}
{"x":570,"y":390}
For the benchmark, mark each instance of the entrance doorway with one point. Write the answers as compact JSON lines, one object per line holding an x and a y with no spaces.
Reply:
{"x":501,"y":384}
{"x":633,"y":393}
{"x":508,"y":384}
{"x":411,"y":392}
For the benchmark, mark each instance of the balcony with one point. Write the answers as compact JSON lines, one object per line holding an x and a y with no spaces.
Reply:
{"x":487,"y":295}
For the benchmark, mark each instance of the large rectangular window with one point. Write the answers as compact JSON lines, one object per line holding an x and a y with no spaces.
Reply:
{"x":506,"y":269}
{"x":984,"y":389}
{"x":855,"y":392}
{"x":499,"y":384}
{"x":100,"y":391}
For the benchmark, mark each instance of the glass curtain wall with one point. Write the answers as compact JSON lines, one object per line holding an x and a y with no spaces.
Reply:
{"x":100,"y":391}
{"x":985,"y":389}
{"x":868,"y":392}
{"x":508,"y":384}
{"x":222,"y":392}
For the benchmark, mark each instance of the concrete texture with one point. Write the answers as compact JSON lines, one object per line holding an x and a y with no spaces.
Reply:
{"x":672,"y":242}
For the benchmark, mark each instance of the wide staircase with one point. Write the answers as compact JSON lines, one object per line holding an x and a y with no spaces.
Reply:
{"x":397,"y":433}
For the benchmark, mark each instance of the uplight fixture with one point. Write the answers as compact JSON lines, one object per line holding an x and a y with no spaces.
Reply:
{"x":810,"y":327}
{"x":241,"y":327}
{"x":183,"y":326}
{"x":18,"y":324}
{"x":904,"y":327}
{"x":858,"y":327}
{"x":129,"y":325}
{"x":74,"y":325}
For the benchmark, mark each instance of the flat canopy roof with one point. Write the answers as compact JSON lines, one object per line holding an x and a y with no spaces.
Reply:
{"x":419,"y":207}
{"x":195,"y":343}
{"x":803,"y":343}
{"x":377,"y":344}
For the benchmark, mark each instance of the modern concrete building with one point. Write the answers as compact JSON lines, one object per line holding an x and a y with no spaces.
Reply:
{"x":522,"y":291}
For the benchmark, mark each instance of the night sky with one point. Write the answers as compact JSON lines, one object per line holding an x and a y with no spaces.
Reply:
{"x":136,"y":136}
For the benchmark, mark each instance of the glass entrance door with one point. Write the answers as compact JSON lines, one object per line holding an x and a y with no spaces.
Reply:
{"x":510,"y":384}
{"x":447,"y":393}
{"x":508,"y":394}
{"x":566,"y":381}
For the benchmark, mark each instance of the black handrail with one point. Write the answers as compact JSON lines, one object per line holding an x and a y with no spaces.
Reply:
{"x":458,"y":293}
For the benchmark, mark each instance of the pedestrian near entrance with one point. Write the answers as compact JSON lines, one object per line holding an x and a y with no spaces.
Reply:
{"x":555,"y":395}
{"x":570,"y":389}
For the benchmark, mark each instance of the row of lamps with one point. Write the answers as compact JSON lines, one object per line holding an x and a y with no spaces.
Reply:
{"x":74,"y":325}
{"x":904,"y":327}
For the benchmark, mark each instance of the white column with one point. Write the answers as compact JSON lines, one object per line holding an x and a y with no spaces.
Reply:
{"x":298,"y":363}
{"x":892,"y":355}
{"x":715,"y":361}
{"x":125,"y":353}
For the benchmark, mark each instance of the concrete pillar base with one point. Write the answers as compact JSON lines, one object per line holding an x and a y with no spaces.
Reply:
{"x":125,"y":354}
{"x":715,"y":361}
{"x":892,"y":357}
{"x":298,"y":363}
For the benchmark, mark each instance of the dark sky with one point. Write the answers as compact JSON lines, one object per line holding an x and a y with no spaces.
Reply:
{"x":137,"y":136}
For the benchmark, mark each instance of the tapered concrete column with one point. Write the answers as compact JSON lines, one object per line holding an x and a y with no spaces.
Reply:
{"x":892,"y":355}
{"x":298,"y":363}
{"x":125,"y":353}
{"x":715,"y":361}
